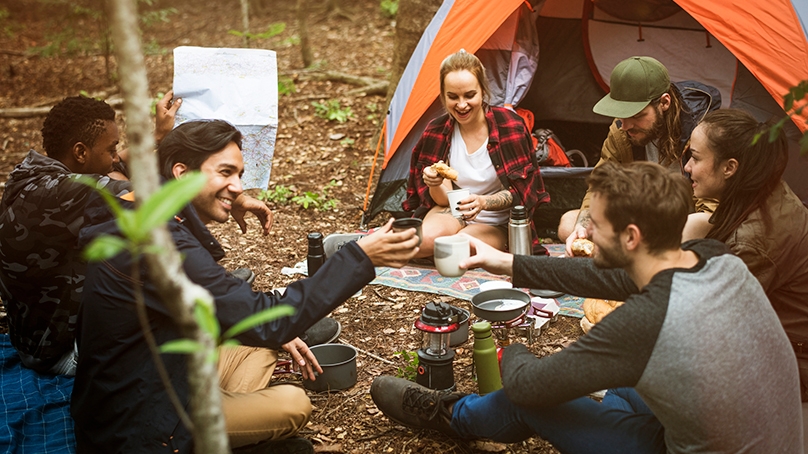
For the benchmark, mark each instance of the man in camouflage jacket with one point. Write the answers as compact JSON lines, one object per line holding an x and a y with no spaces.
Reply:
{"x":41,"y":270}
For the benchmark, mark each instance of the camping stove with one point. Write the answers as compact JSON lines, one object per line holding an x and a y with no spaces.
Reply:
{"x":502,"y":330}
{"x":529,"y":324}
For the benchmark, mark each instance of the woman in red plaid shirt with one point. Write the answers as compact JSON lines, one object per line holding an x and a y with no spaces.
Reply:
{"x":492,"y":152}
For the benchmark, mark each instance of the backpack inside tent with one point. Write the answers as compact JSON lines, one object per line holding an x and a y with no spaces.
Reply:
{"x":554,"y":58}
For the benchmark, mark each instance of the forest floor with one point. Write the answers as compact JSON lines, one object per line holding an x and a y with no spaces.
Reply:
{"x":311,"y":154}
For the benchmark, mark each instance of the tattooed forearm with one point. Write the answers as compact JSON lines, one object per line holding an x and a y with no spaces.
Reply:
{"x":499,"y":201}
{"x":583,"y":219}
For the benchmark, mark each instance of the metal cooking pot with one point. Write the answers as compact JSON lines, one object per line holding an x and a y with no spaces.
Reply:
{"x":462,"y":334}
{"x":500,"y":305}
{"x":339,"y":368}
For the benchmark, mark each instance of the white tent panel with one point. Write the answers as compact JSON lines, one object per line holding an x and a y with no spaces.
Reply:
{"x":683,"y":52}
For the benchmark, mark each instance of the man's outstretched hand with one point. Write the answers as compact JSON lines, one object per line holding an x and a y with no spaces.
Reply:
{"x":488,"y":258}
{"x":244,"y":204}
{"x":387,"y":248}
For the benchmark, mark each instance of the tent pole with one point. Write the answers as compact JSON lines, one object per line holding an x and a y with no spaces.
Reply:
{"x":372,"y":172}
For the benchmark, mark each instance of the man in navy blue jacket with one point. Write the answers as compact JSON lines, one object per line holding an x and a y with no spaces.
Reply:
{"x":119,"y":403}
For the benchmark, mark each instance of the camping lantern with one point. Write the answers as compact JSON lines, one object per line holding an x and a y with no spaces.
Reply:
{"x":435,"y":357}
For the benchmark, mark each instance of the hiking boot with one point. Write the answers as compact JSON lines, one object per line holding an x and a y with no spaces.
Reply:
{"x":334,"y":242}
{"x":245,"y":274}
{"x":325,"y":331}
{"x":413,"y":405}
{"x":294,"y":445}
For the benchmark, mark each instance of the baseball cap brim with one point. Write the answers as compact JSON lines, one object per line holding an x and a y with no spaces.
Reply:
{"x":618,"y":109}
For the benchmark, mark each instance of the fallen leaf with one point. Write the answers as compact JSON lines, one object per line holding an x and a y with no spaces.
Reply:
{"x":336,"y":447}
{"x":489,"y":446}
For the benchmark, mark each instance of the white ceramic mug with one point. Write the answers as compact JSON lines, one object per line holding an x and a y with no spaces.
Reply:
{"x":456,"y":196}
{"x":449,"y":252}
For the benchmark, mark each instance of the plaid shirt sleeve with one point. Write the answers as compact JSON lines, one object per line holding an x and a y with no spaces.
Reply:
{"x":432,"y":147}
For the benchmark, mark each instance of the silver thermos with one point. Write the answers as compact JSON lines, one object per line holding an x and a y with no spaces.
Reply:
{"x":519,"y":238}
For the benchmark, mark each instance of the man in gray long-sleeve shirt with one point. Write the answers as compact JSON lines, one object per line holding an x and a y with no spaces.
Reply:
{"x":695,"y":360}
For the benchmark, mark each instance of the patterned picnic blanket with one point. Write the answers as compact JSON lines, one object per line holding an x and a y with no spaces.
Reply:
{"x":427,"y":279}
{"x":34,"y":408}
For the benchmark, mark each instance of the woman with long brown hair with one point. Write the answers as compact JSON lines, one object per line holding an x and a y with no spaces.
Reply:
{"x":758,"y":216}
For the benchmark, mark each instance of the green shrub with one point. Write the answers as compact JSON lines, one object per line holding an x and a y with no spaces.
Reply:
{"x":410,"y":368}
{"x":332,"y":110}
{"x":316,"y":200}
{"x":286,"y":86}
{"x":272,"y":31}
{"x":389,"y":8}
{"x":279,"y":195}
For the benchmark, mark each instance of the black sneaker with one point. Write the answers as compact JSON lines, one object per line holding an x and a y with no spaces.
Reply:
{"x":413,"y":405}
{"x":325,"y":331}
{"x":294,"y":445}
{"x":245,"y":274}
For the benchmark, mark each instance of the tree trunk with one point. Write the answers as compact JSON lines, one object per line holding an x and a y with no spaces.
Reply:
{"x":245,"y":21}
{"x":411,"y":21}
{"x":179,"y":294}
{"x":303,"y":30}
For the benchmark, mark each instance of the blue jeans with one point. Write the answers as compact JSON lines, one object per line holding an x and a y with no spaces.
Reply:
{"x":621,"y":424}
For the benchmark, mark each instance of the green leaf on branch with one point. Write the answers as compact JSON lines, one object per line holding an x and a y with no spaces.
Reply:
{"x":775,"y":129}
{"x":206,"y":317}
{"x":169,"y":200}
{"x":104,"y":247}
{"x":259,"y":318}
{"x":181,"y":346}
{"x":231,"y":343}
{"x":804,"y":144}
{"x":116,"y":207}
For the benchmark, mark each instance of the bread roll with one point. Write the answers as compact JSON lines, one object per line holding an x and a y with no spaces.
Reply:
{"x":595,"y":309}
{"x":582,"y":248}
{"x":444,"y":170}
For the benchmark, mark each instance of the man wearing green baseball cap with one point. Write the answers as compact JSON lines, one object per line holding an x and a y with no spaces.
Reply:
{"x":653,"y":122}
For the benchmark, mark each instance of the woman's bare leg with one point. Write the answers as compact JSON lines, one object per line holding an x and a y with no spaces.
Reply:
{"x":437,"y":222}
{"x":492,"y":235}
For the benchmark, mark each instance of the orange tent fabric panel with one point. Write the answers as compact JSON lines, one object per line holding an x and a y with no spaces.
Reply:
{"x":468,"y":26}
{"x":765,"y":35}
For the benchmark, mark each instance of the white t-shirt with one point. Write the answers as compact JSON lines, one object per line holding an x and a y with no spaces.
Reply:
{"x":477,"y":174}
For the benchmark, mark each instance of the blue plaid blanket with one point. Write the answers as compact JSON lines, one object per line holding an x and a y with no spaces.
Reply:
{"x":34,"y":408}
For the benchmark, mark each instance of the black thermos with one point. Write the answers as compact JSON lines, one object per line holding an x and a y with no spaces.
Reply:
{"x":316,"y":256}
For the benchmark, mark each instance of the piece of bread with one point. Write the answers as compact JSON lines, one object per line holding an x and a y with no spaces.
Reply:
{"x":444,"y":170}
{"x":595,"y":309}
{"x":586,"y":325}
{"x":582,"y":248}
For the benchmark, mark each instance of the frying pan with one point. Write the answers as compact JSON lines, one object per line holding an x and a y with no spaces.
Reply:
{"x":500,"y":305}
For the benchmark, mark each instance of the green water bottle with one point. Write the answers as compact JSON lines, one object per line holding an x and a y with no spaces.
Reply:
{"x":486,"y":363}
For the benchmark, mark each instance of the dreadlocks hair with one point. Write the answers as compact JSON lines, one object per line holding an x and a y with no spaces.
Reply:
{"x":75,"y":119}
{"x":669,"y":150}
{"x":731,"y":135}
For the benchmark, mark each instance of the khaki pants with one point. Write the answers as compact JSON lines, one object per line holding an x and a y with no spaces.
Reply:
{"x":252,"y":411}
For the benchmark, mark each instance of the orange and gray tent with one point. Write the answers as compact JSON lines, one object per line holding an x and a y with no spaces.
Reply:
{"x":554,"y":58}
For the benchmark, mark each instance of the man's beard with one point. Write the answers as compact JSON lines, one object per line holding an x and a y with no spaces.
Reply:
{"x":650,"y":134}
{"x":612,"y":257}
